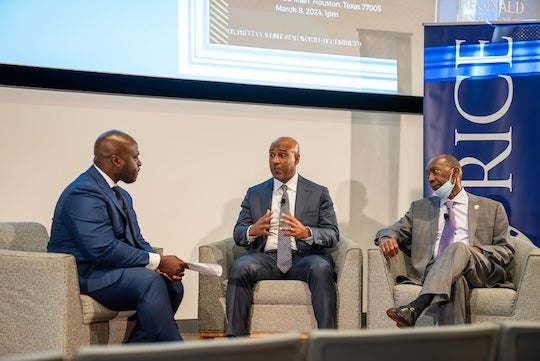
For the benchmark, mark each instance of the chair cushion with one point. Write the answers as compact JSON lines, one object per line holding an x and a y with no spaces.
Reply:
{"x":291,"y":318}
{"x":281,"y":292}
{"x":493,"y":301}
{"x":403,"y":294}
{"x":94,"y":312}
{"x":482,"y":301}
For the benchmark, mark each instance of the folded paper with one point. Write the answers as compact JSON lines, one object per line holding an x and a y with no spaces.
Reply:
{"x":206,"y":268}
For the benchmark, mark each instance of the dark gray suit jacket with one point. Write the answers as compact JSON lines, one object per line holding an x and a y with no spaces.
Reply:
{"x":314,"y":208}
{"x":416,"y":233}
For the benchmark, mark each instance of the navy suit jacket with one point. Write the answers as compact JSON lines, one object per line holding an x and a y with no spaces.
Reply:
{"x":90,"y":224}
{"x":314,"y":208}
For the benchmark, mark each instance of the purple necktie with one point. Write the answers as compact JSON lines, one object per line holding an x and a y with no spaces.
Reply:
{"x":284,"y":253}
{"x":449,"y":229}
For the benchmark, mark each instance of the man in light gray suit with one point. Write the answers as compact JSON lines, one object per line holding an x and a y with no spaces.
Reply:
{"x":307,"y":228}
{"x":456,"y":241}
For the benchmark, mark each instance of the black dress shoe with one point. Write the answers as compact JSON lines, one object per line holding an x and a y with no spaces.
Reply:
{"x":405,"y":316}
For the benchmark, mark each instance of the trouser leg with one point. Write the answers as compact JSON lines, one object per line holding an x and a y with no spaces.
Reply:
{"x":152,"y":298}
{"x":319,"y":274}
{"x":449,"y":277}
{"x":244,"y":272}
{"x":454,"y":311}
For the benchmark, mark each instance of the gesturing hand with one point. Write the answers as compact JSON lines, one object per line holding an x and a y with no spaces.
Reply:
{"x":262,"y":226}
{"x":294,"y":227}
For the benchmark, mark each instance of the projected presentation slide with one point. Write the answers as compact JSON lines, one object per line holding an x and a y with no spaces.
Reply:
{"x":315,"y":44}
{"x":294,"y":43}
{"x":487,"y":10}
{"x":355,"y":45}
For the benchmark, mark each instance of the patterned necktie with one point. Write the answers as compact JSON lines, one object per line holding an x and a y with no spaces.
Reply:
{"x":129,"y":230}
{"x":284,"y":253}
{"x":447,"y":235}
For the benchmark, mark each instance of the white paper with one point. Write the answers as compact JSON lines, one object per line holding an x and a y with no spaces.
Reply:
{"x":206,"y":268}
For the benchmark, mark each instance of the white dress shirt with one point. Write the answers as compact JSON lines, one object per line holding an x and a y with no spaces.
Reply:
{"x":277,"y":196}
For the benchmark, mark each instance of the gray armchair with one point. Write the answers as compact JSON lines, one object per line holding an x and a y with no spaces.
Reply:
{"x":293,"y":299}
{"x":484,"y":304}
{"x":41,"y":308}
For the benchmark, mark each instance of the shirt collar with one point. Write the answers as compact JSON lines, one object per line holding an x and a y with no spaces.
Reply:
{"x":108,"y":179}
{"x":460,"y":198}
{"x":291,"y":184}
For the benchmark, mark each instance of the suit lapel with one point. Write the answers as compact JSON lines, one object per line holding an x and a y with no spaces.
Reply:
{"x":472,"y":210}
{"x":104,"y":186}
{"x":302,"y":195}
{"x":265,"y":200}
{"x":434,"y":210}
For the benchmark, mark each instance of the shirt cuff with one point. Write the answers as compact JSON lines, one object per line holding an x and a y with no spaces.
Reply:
{"x":249,"y":238}
{"x":309,"y":240}
{"x":154,"y":260}
{"x":378,"y":242}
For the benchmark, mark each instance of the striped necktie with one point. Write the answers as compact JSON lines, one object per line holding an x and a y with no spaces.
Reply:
{"x":284,"y":253}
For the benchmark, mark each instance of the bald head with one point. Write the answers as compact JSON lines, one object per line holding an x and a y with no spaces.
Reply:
{"x":116,"y":153}
{"x":286,"y":142}
{"x":284,"y":156}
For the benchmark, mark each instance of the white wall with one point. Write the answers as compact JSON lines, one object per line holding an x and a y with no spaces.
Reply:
{"x":199,"y":158}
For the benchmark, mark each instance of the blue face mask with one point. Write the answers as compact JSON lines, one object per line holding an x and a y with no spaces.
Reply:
{"x":445,"y":190}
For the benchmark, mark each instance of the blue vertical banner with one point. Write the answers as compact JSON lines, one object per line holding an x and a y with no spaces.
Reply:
{"x":482,"y":105}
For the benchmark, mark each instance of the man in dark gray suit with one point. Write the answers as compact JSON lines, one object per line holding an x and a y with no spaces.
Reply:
{"x":456,"y":240}
{"x":309,"y":226}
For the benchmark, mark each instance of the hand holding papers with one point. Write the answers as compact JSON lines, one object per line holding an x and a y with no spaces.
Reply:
{"x":206,"y":268}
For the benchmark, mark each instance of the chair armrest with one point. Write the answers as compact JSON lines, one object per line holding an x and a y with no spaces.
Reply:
{"x":348,"y":260}
{"x":211,"y":304}
{"x":528,"y":291}
{"x":380,"y":288}
{"x":40,"y":297}
{"x":222,"y":252}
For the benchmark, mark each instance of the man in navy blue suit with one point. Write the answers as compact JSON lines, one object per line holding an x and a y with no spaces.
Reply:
{"x":94,"y":220}
{"x":309,"y":226}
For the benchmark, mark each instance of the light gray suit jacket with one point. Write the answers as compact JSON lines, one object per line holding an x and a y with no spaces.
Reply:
{"x":416,"y":233}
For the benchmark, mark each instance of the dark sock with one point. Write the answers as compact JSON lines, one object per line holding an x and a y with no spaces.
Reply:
{"x":421,"y":303}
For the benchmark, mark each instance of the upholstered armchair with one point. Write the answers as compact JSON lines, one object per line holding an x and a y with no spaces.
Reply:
{"x":41,"y":308}
{"x":484,"y":304}
{"x":293,"y":301}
